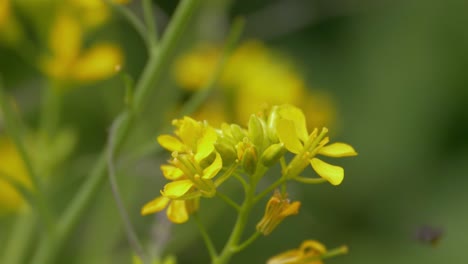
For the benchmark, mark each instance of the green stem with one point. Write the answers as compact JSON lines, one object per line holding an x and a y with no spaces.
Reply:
{"x":249,"y":241}
{"x":309,"y":180}
{"x":129,"y":230}
{"x":48,"y":248}
{"x":228,"y":201}
{"x":132,"y":19}
{"x":150,"y":22}
{"x":270,"y":188}
{"x":206,"y":237}
{"x":154,"y":70}
{"x":20,"y":239}
{"x":231,"y":246}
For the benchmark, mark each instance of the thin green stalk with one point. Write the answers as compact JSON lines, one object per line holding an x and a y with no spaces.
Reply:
{"x":48,"y":248}
{"x":247,"y":243}
{"x":20,"y":239}
{"x":309,"y":180}
{"x":150,"y":22}
{"x":242,"y":218}
{"x":270,"y":188}
{"x":129,"y":230}
{"x":228,"y":200}
{"x":206,"y":237}
{"x":132,"y":19}
{"x":154,"y":70}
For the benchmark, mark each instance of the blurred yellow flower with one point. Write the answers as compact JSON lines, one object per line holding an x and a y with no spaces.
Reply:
{"x":11,"y":165}
{"x":68,"y":61}
{"x":10,"y":31}
{"x":253,"y":76}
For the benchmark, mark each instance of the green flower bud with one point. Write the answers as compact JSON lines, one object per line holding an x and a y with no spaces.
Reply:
{"x":272,"y":154}
{"x":247,"y":155}
{"x":226,"y":150}
{"x":238,"y":133}
{"x":256,"y":132}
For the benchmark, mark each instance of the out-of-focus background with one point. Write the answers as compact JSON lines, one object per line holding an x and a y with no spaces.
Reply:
{"x":388,"y":77}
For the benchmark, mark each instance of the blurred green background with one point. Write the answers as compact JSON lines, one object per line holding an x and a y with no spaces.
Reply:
{"x":398,"y":73}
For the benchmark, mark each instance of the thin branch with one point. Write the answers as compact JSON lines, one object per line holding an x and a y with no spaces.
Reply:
{"x":129,"y":230}
{"x":229,"y":201}
{"x":246,"y":243}
{"x":206,"y":237}
{"x":150,"y":21}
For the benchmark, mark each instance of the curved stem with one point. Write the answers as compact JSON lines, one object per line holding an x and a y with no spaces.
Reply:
{"x":249,"y":241}
{"x":206,"y":237}
{"x":129,"y":230}
{"x":132,"y":19}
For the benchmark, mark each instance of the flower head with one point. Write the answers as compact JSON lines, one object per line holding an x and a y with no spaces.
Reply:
{"x":290,"y":125}
{"x":191,"y":169}
{"x":278,"y":208}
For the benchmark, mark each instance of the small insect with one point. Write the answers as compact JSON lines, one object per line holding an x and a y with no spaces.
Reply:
{"x":429,"y":235}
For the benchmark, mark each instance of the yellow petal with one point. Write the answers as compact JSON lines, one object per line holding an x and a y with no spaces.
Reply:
{"x":291,"y":209}
{"x":177,"y":212}
{"x":189,"y":132}
{"x":155,"y":205}
{"x":211,"y":171}
{"x":294,"y":114}
{"x":338,"y":150}
{"x":65,"y":38}
{"x":171,"y":173}
{"x":205,"y":145}
{"x":171,"y":143}
{"x":331,"y":173}
{"x":287,"y":135}
{"x":176,"y":189}
{"x":97,"y":63}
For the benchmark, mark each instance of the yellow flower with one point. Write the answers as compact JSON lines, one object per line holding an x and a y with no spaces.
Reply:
{"x":178,"y":211}
{"x":292,"y":132}
{"x":193,"y":69}
{"x":309,"y":249}
{"x":191,"y":170}
{"x":68,"y":61}
{"x":278,"y":208}
{"x":12,"y":166}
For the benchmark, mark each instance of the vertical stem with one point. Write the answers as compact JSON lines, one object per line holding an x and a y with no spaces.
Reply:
{"x":231,"y":246}
{"x":17,"y":245}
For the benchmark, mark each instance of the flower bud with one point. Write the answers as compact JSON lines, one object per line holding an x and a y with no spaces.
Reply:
{"x":247,"y":155}
{"x":256,"y":132}
{"x":227,"y":151}
{"x":272,"y":154}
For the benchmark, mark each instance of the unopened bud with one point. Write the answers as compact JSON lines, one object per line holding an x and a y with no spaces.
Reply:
{"x":272,"y":154}
{"x":256,"y":132}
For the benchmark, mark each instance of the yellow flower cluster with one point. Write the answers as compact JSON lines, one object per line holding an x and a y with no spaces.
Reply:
{"x":200,"y":152}
{"x":66,"y":58}
{"x":253,"y":76}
